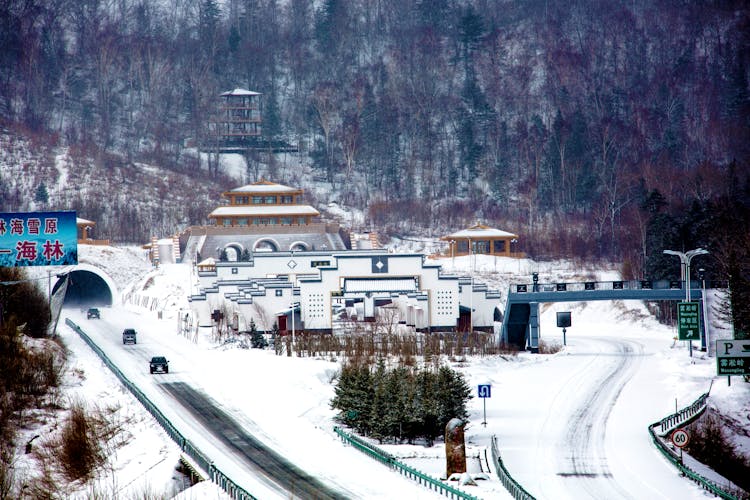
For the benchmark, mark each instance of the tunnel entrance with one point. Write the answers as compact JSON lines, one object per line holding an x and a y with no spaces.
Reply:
{"x":85,"y":289}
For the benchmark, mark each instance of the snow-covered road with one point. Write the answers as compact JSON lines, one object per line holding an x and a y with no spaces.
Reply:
{"x":244,"y":386}
{"x":579,"y":429}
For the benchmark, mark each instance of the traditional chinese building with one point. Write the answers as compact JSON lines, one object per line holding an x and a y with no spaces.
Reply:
{"x":260,"y":217}
{"x":481,"y":239}
{"x":264,"y":203}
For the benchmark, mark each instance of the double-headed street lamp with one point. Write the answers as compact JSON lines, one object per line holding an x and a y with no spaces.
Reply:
{"x":685,"y":258}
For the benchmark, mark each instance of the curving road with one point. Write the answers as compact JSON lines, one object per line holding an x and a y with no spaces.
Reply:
{"x":581,"y":432}
{"x":581,"y":455}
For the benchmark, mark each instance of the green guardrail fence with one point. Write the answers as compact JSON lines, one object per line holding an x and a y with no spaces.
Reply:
{"x":410,"y":472}
{"x":235,"y":491}
{"x":510,"y":484}
{"x":671,"y":422}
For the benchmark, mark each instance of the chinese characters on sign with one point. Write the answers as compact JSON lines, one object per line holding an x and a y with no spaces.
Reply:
{"x":733,"y":357}
{"x":38,"y":239}
{"x":688,"y":317}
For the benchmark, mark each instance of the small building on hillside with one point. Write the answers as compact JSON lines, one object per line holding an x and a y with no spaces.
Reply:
{"x":237,"y":119}
{"x":83,"y":228}
{"x":483,"y":240}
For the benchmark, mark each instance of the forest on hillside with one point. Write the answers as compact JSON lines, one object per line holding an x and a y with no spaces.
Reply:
{"x":595,"y":129}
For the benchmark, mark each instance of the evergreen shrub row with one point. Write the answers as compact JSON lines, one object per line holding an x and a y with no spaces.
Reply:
{"x":400,"y":404}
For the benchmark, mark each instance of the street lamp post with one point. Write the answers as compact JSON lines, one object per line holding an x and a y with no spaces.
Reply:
{"x":685,"y":258}
{"x":704,"y":340}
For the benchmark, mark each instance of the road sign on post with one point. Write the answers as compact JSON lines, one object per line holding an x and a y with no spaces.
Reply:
{"x":680,"y":438}
{"x":733,"y":357}
{"x":688,"y":321}
{"x":484,"y":391}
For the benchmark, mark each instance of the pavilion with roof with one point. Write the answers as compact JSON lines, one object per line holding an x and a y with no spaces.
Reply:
{"x":261,"y":216}
{"x":263,"y":203}
{"x":481,"y":239}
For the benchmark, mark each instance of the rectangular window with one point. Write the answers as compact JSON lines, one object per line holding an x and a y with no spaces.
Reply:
{"x":302,"y":221}
{"x":257,"y":200}
{"x":256,"y":221}
{"x":226,"y":222}
{"x":499,"y":246}
{"x":241,"y":200}
{"x":270,"y":200}
{"x":287,"y":200}
{"x":318,"y":263}
{"x":286,"y":221}
{"x":242,"y":222}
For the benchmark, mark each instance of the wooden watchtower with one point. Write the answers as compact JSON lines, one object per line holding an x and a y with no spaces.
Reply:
{"x":236,"y":123}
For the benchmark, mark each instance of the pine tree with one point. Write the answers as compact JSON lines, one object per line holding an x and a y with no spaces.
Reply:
{"x":379,"y":423}
{"x":353,"y":397}
{"x":41,"y":195}
{"x":257,"y":340}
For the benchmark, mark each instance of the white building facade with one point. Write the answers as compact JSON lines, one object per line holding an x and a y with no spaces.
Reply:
{"x":325,"y":290}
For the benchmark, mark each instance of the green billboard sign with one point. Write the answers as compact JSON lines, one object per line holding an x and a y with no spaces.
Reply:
{"x":688,"y":321}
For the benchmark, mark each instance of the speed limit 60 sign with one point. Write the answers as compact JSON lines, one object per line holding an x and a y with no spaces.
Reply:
{"x":680,"y":438}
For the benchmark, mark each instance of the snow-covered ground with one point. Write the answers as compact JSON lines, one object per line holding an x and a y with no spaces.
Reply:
{"x":569,"y":425}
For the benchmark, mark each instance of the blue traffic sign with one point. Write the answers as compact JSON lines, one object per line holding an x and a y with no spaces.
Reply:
{"x":484,"y":390}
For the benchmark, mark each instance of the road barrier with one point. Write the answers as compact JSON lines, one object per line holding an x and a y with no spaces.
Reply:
{"x":510,"y":484}
{"x":683,"y":416}
{"x":235,"y":491}
{"x":673,"y":421}
{"x":411,"y":473}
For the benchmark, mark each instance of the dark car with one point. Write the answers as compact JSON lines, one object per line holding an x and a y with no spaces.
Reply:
{"x":129,"y":336}
{"x":93,"y":312}
{"x":159,"y":364}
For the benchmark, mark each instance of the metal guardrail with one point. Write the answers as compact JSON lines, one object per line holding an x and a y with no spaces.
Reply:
{"x":235,"y":491}
{"x":510,"y":484}
{"x":411,"y":473}
{"x":682,"y":417}
{"x":539,"y":287}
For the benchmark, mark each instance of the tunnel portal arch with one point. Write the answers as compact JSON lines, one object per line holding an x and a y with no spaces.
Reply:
{"x":88,"y":286}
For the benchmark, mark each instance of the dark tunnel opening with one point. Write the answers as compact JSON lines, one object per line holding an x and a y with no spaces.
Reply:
{"x":85,"y":289}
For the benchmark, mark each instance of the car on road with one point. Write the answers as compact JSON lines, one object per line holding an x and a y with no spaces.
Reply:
{"x":129,"y":336}
{"x":159,"y":364}
{"x":93,"y":312}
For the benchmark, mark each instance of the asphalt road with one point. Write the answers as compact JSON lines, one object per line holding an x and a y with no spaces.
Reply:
{"x":255,"y":454}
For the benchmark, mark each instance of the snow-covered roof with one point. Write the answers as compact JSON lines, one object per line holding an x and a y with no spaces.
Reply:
{"x":479,"y":231}
{"x":84,"y":222}
{"x":239,"y":91}
{"x":264,"y":187}
{"x":263,"y":210}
